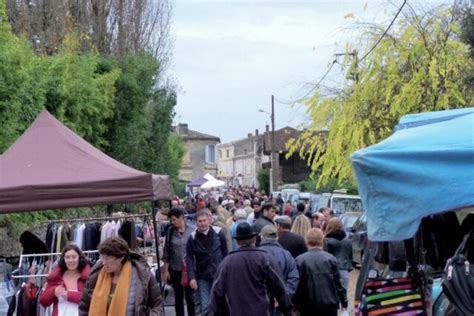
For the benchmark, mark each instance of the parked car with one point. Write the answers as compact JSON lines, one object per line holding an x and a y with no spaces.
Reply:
{"x":340,"y":202}
{"x":275,"y":194}
{"x":285,"y":193}
{"x":348,"y":219}
{"x":358,"y":237}
{"x":313,"y":203}
{"x":304,"y":197}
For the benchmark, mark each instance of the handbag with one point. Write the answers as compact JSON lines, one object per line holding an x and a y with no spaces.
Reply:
{"x":67,"y":308}
{"x":386,"y":296}
{"x":458,"y":279}
{"x":184,"y":272}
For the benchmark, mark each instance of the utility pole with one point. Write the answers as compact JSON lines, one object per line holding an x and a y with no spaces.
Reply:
{"x":275,"y":159}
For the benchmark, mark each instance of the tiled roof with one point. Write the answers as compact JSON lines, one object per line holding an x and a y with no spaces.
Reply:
{"x":282,"y":136}
{"x":195,"y":135}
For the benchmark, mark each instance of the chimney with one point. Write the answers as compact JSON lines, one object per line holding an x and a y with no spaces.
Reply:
{"x":249,"y":135}
{"x":267,"y":128}
{"x":256,"y":132}
{"x":183,"y":129}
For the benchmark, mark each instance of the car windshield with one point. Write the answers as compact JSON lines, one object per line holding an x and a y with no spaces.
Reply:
{"x":341,"y":205}
{"x":349,"y":221}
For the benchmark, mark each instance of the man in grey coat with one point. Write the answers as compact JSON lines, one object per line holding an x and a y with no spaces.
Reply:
{"x":285,"y":260}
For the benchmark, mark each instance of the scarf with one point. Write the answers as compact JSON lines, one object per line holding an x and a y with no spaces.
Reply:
{"x":100,"y":296}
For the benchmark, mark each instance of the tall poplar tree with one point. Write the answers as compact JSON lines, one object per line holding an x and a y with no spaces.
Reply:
{"x":421,"y":65}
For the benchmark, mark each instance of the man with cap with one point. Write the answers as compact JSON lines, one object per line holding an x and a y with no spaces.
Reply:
{"x":292,"y":242}
{"x":245,"y":280}
{"x":285,"y":260}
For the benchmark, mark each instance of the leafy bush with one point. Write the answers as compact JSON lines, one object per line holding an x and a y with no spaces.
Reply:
{"x":263,"y":178}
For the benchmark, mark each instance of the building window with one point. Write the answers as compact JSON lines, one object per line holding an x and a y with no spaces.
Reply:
{"x":210,"y":154}
{"x":220,"y":153}
{"x":245,"y":151}
{"x":227,"y":153}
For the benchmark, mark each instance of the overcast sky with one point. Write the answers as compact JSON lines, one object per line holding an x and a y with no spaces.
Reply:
{"x":231,"y":56}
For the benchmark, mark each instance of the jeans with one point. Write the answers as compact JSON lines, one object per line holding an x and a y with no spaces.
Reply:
{"x":204,"y":292}
{"x":344,"y":279}
{"x":179,"y":292}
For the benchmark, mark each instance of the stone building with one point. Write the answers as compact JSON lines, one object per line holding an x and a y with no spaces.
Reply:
{"x":199,"y":153}
{"x":240,"y":160}
{"x":291,"y":170}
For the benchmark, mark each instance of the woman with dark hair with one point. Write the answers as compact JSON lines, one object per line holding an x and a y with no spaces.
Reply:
{"x":120,"y":284}
{"x":340,"y":247}
{"x":66,"y":282}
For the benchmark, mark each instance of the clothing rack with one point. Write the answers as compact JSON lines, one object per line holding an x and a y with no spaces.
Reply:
{"x":95,"y":219}
{"x":39,"y":255}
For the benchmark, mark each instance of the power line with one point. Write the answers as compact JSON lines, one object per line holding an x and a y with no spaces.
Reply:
{"x":384,"y":33}
{"x":312,"y":89}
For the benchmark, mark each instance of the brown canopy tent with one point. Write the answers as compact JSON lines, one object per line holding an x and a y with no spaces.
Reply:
{"x":51,"y":167}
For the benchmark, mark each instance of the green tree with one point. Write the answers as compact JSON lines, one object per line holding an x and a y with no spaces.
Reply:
{"x":21,"y":88}
{"x":165,"y":146}
{"x":263,"y":178}
{"x":77,"y":94}
{"x":139,"y":132}
{"x":129,"y":127}
{"x":467,"y":27}
{"x":421,"y":66}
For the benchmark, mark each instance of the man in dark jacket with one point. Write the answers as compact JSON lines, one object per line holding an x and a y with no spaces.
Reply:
{"x":246,"y":279}
{"x":319,"y":290}
{"x":269,"y":210}
{"x":205,"y":250}
{"x":292,"y":242}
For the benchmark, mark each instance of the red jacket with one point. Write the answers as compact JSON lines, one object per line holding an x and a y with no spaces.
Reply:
{"x":55,"y":278}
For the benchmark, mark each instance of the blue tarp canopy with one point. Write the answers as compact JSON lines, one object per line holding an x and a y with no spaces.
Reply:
{"x":425,"y":167}
{"x":198,"y":182}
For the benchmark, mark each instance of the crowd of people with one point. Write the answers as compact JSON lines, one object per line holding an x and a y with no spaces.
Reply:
{"x":239,"y":253}
{"x":245,"y":251}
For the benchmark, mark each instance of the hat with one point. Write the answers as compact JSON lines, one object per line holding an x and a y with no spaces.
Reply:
{"x":244,"y":231}
{"x":284,"y":219}
{"x":224,"y":203}
{"x":240,"y":213}
{"x":269,"y":231}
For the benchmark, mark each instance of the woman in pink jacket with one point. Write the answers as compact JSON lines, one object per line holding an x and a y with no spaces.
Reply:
{"x":67,"y":280}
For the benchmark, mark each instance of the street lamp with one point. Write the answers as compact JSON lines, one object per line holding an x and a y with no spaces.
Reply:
{"x":274,"y":173}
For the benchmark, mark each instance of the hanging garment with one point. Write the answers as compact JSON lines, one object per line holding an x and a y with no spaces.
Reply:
{"x":79,"y":238}
{"x":65,"y":237}
{"x":92,"y":236}
{"x":51,"y":236}
{"x":127,"y":232}
{"x":103,"y":232}
{"x":114,"y":228}
{"x":59,"y":235}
